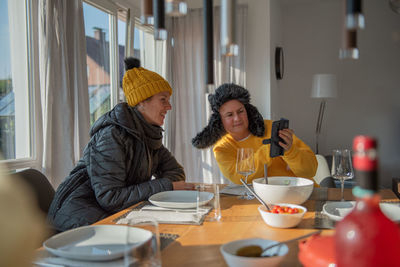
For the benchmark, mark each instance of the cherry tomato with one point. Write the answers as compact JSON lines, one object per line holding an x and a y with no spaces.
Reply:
{"x":285,"y":209}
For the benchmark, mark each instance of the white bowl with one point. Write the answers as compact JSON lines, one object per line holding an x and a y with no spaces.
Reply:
{"x":229,"y":250}
{"x":282,"y":220}
{"x":284,"y":189}
{"x":337,"y":210}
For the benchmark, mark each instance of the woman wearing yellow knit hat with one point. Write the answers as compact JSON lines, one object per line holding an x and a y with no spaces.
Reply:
{"x":125,"y":161}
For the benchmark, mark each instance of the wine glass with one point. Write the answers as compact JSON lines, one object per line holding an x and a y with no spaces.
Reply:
{"x":342,"y":168}
{"x":245,"y":166}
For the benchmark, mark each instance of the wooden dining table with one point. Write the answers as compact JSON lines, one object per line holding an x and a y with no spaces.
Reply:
{"x":199,"y":245}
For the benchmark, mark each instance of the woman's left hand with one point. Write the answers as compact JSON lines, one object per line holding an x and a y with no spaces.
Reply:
{"x":287,"y":136}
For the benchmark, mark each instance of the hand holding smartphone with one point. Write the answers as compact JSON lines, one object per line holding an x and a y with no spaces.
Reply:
{"x":276,"y":150}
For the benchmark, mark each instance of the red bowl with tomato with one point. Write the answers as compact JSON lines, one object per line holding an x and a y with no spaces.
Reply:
{"x":282,"y":215}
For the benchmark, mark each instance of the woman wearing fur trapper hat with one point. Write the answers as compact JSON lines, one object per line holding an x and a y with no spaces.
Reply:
{"x":235,"y":123}
{"x":125,"y":161}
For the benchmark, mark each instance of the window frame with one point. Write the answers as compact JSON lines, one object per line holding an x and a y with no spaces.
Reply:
{"x":32,"y":75}
{"x":111,"y":9}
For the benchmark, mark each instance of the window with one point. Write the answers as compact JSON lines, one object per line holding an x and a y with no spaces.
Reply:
{"x":105,"y":30}
{"x":121,"y":56}
{"x":122,"y":31}
{"x":152,"y":53}
{"x":97,"y":31}
{"x":15,"y":89}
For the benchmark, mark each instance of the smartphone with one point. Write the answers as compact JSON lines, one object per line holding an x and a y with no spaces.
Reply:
{"x":276,"y":150}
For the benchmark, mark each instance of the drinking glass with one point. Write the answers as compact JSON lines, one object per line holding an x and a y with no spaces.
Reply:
{"x":143,"y":243}
{"x":214,"y":203}
{"x":342,"y":168}
{"x":245,"y":166}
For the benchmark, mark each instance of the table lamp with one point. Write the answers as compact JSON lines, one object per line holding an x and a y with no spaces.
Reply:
{"x":324,"y":87}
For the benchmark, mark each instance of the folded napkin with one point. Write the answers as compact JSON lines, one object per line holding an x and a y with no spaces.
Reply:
{"x":44,"y":258}
{"x":169,"y":216}
{"x":234,"y":189}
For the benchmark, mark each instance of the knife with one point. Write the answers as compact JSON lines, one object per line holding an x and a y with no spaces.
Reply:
{"x":44,"y":264}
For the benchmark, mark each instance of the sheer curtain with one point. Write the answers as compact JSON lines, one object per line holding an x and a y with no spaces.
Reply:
{"x":152,"y":52}
{"x":63,"y":86}
{"x":185,"y":72}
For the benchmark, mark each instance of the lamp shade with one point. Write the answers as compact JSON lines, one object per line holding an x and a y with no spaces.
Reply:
{"x":324,"y":86}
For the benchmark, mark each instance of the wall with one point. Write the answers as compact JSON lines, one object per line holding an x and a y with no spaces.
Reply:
{"x":276,"y":34}
{"x":369,"y":93}
{"x":258,"y":55}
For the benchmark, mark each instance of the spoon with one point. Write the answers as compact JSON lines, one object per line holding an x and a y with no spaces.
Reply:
{"x":266,"y":173}
{"x":257,"y":251}
{"x":254,"y":194}
{"x":263,"y":253}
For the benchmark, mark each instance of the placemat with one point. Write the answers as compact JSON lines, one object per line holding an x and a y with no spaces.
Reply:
{"x":165,"y":215}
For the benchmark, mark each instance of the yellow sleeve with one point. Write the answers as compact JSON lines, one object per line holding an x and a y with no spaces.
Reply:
{"x":301,"y":159}
{"x":226,"y":158}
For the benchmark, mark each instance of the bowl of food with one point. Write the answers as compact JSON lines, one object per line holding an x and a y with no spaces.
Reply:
{"x":247,"y":253}
{"x":282,"y":215}
{"x":284,"y":189}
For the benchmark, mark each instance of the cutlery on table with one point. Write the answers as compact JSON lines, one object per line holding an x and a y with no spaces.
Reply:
{"x":264,"y":254}
{"x":44,"y":264}
{"x":254,"y":194}
{"x":257,"y":251}
{"x":266,"y":173}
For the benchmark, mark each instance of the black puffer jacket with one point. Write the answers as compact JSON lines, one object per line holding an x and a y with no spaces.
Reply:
{"x":115,"y":171}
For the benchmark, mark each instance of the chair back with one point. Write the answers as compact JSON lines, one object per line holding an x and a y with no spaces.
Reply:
{"x":41,"y":187}
{"x":323,"y":175}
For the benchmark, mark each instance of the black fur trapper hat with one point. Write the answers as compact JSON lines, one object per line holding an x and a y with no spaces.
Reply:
{"x":215,"y":129}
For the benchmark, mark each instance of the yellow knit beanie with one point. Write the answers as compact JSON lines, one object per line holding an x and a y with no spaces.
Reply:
{"x":140,"y":84}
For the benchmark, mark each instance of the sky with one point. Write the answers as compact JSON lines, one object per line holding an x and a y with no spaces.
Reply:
{"x":93,"y":18}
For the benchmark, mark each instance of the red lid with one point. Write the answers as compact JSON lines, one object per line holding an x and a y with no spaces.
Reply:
{"x":317,"y":251}
{"x":365,"y":158}
{"x":363,"y":142}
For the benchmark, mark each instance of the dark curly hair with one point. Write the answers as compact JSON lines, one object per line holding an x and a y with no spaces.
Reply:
{"x":215,"y":129}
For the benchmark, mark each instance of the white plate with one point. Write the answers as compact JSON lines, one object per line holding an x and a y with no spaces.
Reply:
{"x":180,"y":199}
{"x":338,"y":210}
{"x":95,"y":242}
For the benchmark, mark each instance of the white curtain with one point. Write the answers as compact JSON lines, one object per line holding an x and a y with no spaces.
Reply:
{"x":153,"y":56}
{"x":185,"y":72}
{"x":63,"y":85}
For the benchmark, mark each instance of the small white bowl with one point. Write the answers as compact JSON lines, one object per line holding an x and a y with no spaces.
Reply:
{"x":229,"y":250}
{"x":284,"y":189}
{"x":282,"y":220}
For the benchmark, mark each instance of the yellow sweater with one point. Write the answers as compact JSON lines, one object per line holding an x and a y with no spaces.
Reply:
{"x":298,"y":161}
